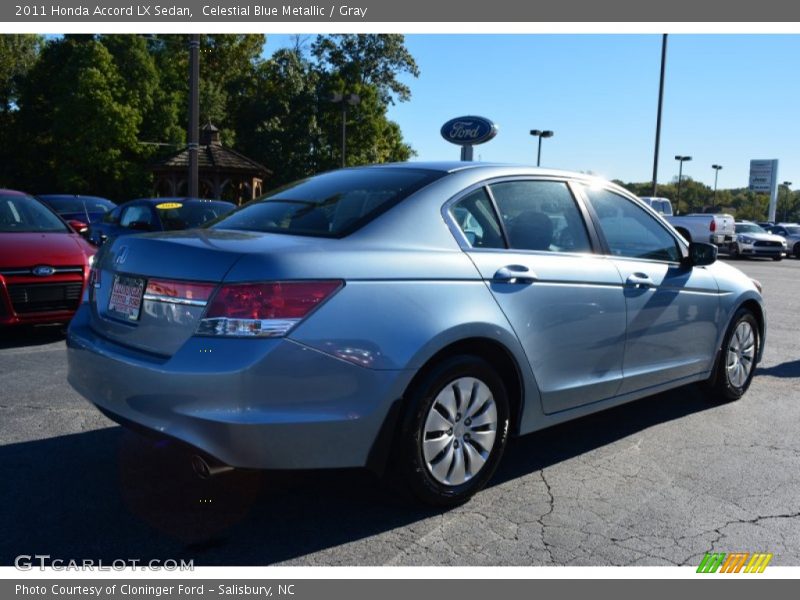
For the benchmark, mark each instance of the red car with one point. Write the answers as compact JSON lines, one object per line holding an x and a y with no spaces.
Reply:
{"x":44,"y":263}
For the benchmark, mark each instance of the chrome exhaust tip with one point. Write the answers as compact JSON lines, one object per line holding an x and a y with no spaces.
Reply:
{"x":208,"y":468}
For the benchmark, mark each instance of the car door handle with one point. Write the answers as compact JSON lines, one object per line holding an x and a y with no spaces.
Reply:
{"x":514,"y":274}
{"x":639,"y":280}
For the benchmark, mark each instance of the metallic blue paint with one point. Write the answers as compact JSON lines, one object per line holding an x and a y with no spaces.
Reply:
{"x":581,"y":338}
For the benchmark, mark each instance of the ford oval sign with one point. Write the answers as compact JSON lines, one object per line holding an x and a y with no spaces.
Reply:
{"x":468,"y":131}
{"x":43,"y":271}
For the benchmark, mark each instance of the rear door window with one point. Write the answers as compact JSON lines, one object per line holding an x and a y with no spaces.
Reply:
{"x":541,"y":215}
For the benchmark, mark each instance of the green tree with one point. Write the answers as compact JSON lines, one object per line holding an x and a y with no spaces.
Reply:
{"x":373,"y":59}
{"x":18,"y":54}
{"x":78,"y":122}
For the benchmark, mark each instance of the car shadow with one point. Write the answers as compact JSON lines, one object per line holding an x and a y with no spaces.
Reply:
{"x":26,"y":335}
{"x":110,"y":494}
{"x":788,"y":369}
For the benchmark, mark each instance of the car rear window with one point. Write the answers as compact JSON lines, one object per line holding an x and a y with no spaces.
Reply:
{"x":330,"y":205}
{"x":23,"y":214}
{"x":70,"y":204}
{"x":188,"y":215}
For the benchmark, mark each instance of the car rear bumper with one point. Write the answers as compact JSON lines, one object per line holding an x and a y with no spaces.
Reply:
{"x":261,"y":404}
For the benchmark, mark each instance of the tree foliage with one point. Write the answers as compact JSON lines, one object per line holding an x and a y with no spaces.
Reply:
{"x":89,"y":113}
{"x":742,"y":203}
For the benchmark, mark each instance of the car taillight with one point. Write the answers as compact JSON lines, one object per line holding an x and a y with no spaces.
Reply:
{"x":179,"y":292}
{"x":712,"y":226}
{"x":267,"y":309}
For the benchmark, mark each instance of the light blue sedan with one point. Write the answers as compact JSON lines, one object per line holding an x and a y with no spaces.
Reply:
{"x":407,"y":318}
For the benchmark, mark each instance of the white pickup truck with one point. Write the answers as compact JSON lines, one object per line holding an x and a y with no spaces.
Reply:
{"x":718,"y":229}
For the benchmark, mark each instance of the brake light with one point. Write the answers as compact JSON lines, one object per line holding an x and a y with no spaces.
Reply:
{"x":713,"y":225}
{"x":268,"y":309}
{"x":178,"y":291}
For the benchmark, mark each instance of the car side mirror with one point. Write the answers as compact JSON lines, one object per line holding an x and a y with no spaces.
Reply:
{"x":701,"y":254}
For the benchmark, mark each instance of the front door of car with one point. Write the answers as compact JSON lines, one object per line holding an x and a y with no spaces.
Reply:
{"x":673,"y":310}
{"x":564,"y":302}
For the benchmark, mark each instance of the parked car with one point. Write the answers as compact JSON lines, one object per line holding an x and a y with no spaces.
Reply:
{"x":80,"y":209}
{"x":44,"y":264}
{"x":791,"y":233}
{"x":156,"y":214}
{"x":752,"y":240}
{"x":766,"y":225}
{"x":718,"y":229}
{"x":409,"y":317}
{"x":662,"y":206}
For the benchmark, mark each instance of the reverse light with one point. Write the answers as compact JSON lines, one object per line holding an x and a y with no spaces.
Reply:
{"x":268,"y":309}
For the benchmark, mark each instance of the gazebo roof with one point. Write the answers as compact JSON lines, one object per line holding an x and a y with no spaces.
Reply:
{"x":212,"y":156}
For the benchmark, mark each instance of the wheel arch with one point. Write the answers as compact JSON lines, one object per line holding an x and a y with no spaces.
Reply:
{"x":490,"y":349}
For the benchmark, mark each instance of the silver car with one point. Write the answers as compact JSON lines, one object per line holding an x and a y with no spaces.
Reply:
{"x":791,"y":233}
{"x":753,"y":240}
{"x":407,"y":318}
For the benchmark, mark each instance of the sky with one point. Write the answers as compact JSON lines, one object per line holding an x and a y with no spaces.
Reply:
{"x":727,"y":99}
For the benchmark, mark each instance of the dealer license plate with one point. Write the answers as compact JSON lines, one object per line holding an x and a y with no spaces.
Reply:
{"x":126,"y":297}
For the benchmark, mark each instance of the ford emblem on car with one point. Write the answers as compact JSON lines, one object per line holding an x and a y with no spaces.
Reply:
{"x":470,"y":130}
{"x":43,"y":271}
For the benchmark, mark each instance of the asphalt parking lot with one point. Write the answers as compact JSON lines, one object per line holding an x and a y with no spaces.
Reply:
{"x":656,"y":482}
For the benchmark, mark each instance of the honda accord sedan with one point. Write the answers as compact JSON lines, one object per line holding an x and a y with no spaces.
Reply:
{"x":409,"y":319}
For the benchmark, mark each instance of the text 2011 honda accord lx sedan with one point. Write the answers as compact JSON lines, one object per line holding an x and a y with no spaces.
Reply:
{"x":412,"y":316}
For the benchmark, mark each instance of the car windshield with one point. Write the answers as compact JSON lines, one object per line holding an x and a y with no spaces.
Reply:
{"x":748,"y":228}
{"x":78,"y":204}
{"x":19,"y":214}
{"x":793,"y":229}
{"x":330,"y":205}
{"x":176,"y":215}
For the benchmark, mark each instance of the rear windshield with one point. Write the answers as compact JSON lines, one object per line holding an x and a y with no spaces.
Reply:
{"x":21,"y":214}
{"x":330,"y":205}
{"x":188,"y":215}
{"x":68,"y":204}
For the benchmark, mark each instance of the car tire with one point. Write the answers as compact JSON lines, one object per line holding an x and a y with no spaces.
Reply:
{"x":796,"y":250}
{"x":777,"y":258}
{"x":734,"y":251}
{"x":736,"y":362}
{"x":438,"y":465}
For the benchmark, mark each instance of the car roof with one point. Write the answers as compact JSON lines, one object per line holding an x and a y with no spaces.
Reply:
{"x":177,"y":199}
{"x":7,"y":192}
{"x":455,"y":166}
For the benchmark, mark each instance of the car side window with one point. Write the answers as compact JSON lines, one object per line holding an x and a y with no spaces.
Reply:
{"x":476,"y":218}
{"x":541,"y":215}
{"x":629,"y":230}
{"x":112,"y":217}
{"x":138,"y":213}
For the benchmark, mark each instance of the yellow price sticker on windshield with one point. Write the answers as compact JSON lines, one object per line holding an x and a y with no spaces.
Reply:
{"x":168,"y":205}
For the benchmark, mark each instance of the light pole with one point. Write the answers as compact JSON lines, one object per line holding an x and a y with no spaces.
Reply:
{"x":658,"y":115}
{"x":716,"y":175}
{"x":194,"y":114}
{"x":541,"y":134}
{"x":786,"y":184}
{"x":345,"y":100}
{"x":681,"y":160}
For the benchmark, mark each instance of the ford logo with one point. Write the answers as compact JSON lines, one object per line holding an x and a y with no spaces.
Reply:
{"x":468,"y":131}
{"x":43,"y":271}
